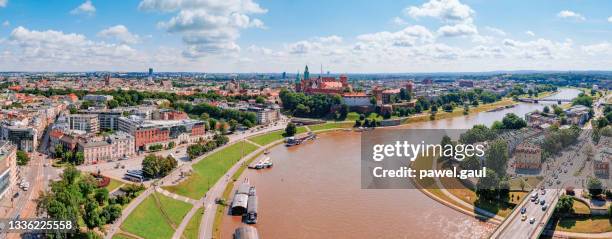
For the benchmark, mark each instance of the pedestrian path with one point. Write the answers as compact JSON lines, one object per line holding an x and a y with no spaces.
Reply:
{"x":175,"y":196}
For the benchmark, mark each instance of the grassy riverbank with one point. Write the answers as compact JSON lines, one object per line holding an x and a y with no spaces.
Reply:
{"x":267,"y":138}
{"x":209,"y":170}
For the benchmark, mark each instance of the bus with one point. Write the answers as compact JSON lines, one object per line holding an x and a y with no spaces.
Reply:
{"x":134,"y":176}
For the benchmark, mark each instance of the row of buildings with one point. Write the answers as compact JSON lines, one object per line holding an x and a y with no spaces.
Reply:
{"x":575,"y":115}
{"x":104,"y":134}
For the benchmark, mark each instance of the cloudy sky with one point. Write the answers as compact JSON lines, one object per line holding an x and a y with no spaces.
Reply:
{"x":275,"y":36}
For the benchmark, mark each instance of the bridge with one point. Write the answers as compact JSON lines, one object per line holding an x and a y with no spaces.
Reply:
{"x":514,"y":227}
{"x":531,"y":100}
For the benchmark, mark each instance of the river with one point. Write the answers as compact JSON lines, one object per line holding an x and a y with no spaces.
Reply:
{"x":314,"y":191}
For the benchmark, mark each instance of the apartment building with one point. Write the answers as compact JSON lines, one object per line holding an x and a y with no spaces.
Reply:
{"x":84,"y":122}
{"x":150,"y":132}
{"x":8,"y":168}
{"x":117,"y":146}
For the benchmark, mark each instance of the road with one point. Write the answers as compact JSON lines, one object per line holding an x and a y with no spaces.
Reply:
{"x":561,"y":175}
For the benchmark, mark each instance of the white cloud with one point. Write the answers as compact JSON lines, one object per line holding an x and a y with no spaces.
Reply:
{"x":448,"y":10}
{"x":408,"y":36}
{"x":461,"y":29}
{"x":86,"y":8}
{"x":496,"y":30}
{"x":6,"y":23}
{"x":538,"y":49}
{"x":57,"y":48}
{"x":604,"y":48}
{"x":570,"y":14}
{"x":120,"y":33}
{"x":530,"y":33}
{"x":399,"y":21}
{"x":610,"y":19}
{"x":333,"y":39}
{"x":207,"y":27}
{"x":3,"y":3}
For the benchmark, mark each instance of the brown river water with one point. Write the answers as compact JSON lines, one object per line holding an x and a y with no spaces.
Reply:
{"x":314,"y":191}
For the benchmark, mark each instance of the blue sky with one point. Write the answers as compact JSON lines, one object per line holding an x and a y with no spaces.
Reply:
{"x":275,"y":36}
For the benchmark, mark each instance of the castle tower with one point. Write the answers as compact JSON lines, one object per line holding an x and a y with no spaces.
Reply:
{"x":306,"y":73}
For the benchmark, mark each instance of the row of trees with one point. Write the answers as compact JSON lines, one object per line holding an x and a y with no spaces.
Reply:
{"x":557,"y":139}
{"x":201,"y":148}
{"x":154,"y":166}
{"x":248,"y":119}
{"x":69,"y":156}
{"x":133,"y":97}
{"x":315,"y":106}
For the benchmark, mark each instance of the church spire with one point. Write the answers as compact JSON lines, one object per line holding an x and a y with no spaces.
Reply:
{"x":306,"y":73}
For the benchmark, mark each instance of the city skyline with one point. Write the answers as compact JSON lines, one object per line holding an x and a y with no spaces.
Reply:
{"x":271,"y":36}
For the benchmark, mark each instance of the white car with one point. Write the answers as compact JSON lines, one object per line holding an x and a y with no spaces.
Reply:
{"x":531,"y":220}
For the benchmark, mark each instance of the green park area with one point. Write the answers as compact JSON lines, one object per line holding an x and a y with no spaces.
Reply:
{"x":209,"y":170}
{"x":267,"y":138}
{"x":192,"y":229}
{"x":330,"y":125}
{"x":156,"y":217}
{"x":114,"y":184}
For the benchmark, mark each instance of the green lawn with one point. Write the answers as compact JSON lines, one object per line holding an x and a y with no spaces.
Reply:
{"x":210,"y":169}
{"x":330,"y":125}
{"x":156,"y":219}
{"x":114,"y":184}
{"x":590,"y":225}
{"x":265,"y":139}
{"x":352,"y":116}
{"x":193,"y":227}
{"x":581,"y":207}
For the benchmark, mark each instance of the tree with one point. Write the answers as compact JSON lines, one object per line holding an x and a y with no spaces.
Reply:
{"x":565,"y":204}
{"x":583,"y":100}
{"x":22,"y":158}
{"x":496,"y":156}
{"x":512,"y":121}
{"x":260,"y":99}
{"x":471,"y":163}
{"x":92,"y":214}
{"x":112,"y":104}
{"x":101,"y":195}
{"x":290,"y":130}
{"x":486,"y":187}
{"x":59,"y":151}
{"x":86,"y":104}
{"x":79,"y":158}
{"x":171,"y":145}
{"x":594,"y":186}
{"x":154,"y":166}
{"x":73,"y":109}
{"x":546,"y":109}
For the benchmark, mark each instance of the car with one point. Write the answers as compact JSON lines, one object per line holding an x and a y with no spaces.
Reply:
{"x":565,"y":170}
{"x":523,"y":210}
{"x":537,"y":200}
{"x":531,"y":220}
{"x":544,"y":207}
{"x":543,"y":192}
{"x":542,"y":201}
{"x":558,"y":182}
{"x":523,"y":217}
